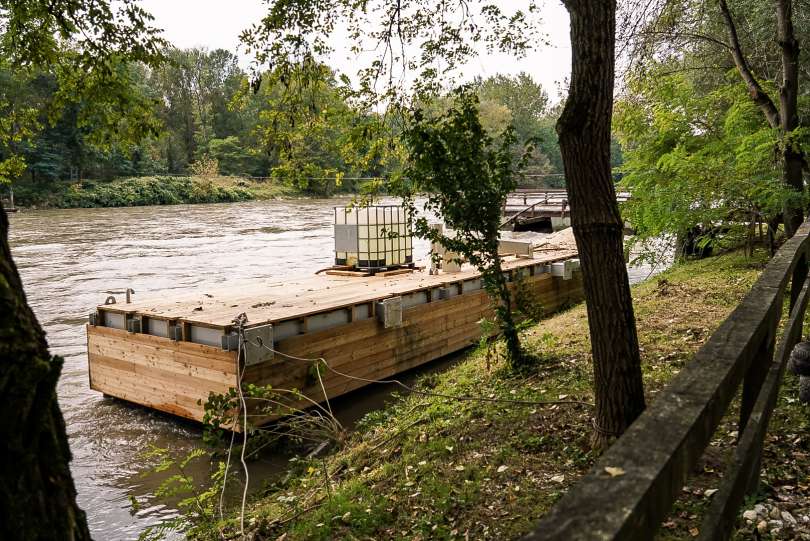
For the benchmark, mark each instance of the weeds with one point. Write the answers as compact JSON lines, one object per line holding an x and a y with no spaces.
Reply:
{"x":195,"y":499}
{"x":429,"y":466}
{"x":434,"y":468}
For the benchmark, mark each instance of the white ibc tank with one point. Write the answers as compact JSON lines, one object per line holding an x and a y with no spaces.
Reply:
{"x":372,"y":237}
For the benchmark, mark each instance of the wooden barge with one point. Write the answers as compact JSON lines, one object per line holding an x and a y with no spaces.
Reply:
{"x":170,"y":354}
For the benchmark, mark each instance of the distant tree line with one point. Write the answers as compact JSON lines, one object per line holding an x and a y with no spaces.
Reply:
{"x":200,"y":105}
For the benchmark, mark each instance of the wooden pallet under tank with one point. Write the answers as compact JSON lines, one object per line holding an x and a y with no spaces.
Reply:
{"x":168,"y":354}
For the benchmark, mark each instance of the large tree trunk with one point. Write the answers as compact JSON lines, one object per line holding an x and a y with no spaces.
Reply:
{"x":584,"y":130}
{"x":37,"y":496}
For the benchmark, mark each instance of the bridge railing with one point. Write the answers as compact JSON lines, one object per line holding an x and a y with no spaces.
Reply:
{"x":664,"y":444}
{"x":554,"y":196}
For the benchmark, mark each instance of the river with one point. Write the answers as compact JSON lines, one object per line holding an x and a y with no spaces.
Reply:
{"x":70,"y":259}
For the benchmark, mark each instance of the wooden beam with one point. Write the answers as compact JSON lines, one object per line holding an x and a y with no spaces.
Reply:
{"x":347,"y":273}
{"x":741,"y":474}
{"x":394,"y":272}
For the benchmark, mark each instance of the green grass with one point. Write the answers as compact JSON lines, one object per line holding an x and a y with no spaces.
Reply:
{"x":434,"y":468}
{"x":141,"y":191}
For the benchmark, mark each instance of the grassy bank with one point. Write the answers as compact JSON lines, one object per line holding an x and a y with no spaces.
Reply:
{"x":435,"y":468}
{"x":141,"y":191}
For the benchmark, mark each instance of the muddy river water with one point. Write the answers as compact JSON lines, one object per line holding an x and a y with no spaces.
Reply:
{"x":70,"y":259}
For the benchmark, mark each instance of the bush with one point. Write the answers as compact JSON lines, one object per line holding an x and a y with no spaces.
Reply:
{"x":137,"y":192}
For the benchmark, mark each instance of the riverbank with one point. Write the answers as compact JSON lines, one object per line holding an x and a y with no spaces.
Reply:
{"x":141,"y":191}
{"x":428,"y":467}
{"x":79,"y":255}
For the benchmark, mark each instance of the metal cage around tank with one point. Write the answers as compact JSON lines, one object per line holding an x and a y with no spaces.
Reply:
{"x":373,"y":237}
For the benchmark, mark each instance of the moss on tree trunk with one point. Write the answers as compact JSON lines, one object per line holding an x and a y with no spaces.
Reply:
{"x":37,"y":494}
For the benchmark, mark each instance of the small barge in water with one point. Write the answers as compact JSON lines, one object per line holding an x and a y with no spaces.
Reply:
{"x":170,"y":354}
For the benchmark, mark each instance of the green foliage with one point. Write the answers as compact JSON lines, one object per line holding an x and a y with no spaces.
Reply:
{"x":11,"y":168}
{"x":19,"y":120}
{"x":195,"y":107}
{"x":293,"y":423}
{"x":196,"y":90}
{"x":527,"y":105}
{"x":464,"y":177}
{"x":294,"y":39}
{"x":527,"y":303}
{"x":131,"y":192}
{"x":525,"y":98}
{"x":206,"y":167}
{"x":231,"y":156}
{"x":295,"y":34}
{"x":697,"y":161}
{"x":197,"y":500}
{"x":143,"y":109}
{"x":36,"y":31}
{"x":153,"y":110}
{"x":86,"y":54}
{"x":674,"y":41}
{"x":151,"y":191}
{"x":315,"y":137}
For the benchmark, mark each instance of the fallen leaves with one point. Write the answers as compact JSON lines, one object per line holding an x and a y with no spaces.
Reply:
{"x":614,"y":471}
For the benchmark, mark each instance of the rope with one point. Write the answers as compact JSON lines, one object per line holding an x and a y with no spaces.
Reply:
{"x":240,"y":321}
{"x":323,"y":389}
{"x":225,"y":475}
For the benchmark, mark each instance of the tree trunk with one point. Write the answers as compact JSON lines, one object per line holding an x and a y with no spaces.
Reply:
{"x":504,"y":311}
{"x":792,"y":165}
{"x":584,"y":130}
{"x":773,"y":225}
{"x":793,"y":156}
{"x":37,"y":495}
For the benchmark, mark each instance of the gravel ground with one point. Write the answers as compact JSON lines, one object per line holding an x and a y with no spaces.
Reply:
{"x":784,"y":516}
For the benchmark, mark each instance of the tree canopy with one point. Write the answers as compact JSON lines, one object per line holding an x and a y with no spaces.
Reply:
{"x":197,"y":104}
{"x":711,"y":118}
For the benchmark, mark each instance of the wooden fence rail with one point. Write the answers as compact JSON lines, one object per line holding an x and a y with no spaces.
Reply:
{"x":664,"y":444}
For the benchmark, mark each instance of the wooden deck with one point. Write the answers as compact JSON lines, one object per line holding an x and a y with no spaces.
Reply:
{"x":274,"y":302}
{"x":174,"y":358}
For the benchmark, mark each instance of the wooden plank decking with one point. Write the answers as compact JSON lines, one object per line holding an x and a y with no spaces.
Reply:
{"x":277,"y":301}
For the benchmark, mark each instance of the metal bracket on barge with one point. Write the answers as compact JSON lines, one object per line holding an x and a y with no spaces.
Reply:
{"x":257,"y":341}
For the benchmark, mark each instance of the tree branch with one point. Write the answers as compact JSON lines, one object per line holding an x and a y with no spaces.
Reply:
{"x":755,"y":90}
{"x":689,"y":35}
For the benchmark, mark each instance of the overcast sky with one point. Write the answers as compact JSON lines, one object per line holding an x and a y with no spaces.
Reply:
{"x":217,"y":24}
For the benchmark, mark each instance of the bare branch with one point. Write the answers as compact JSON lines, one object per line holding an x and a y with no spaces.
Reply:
{"x":691,"y":35}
